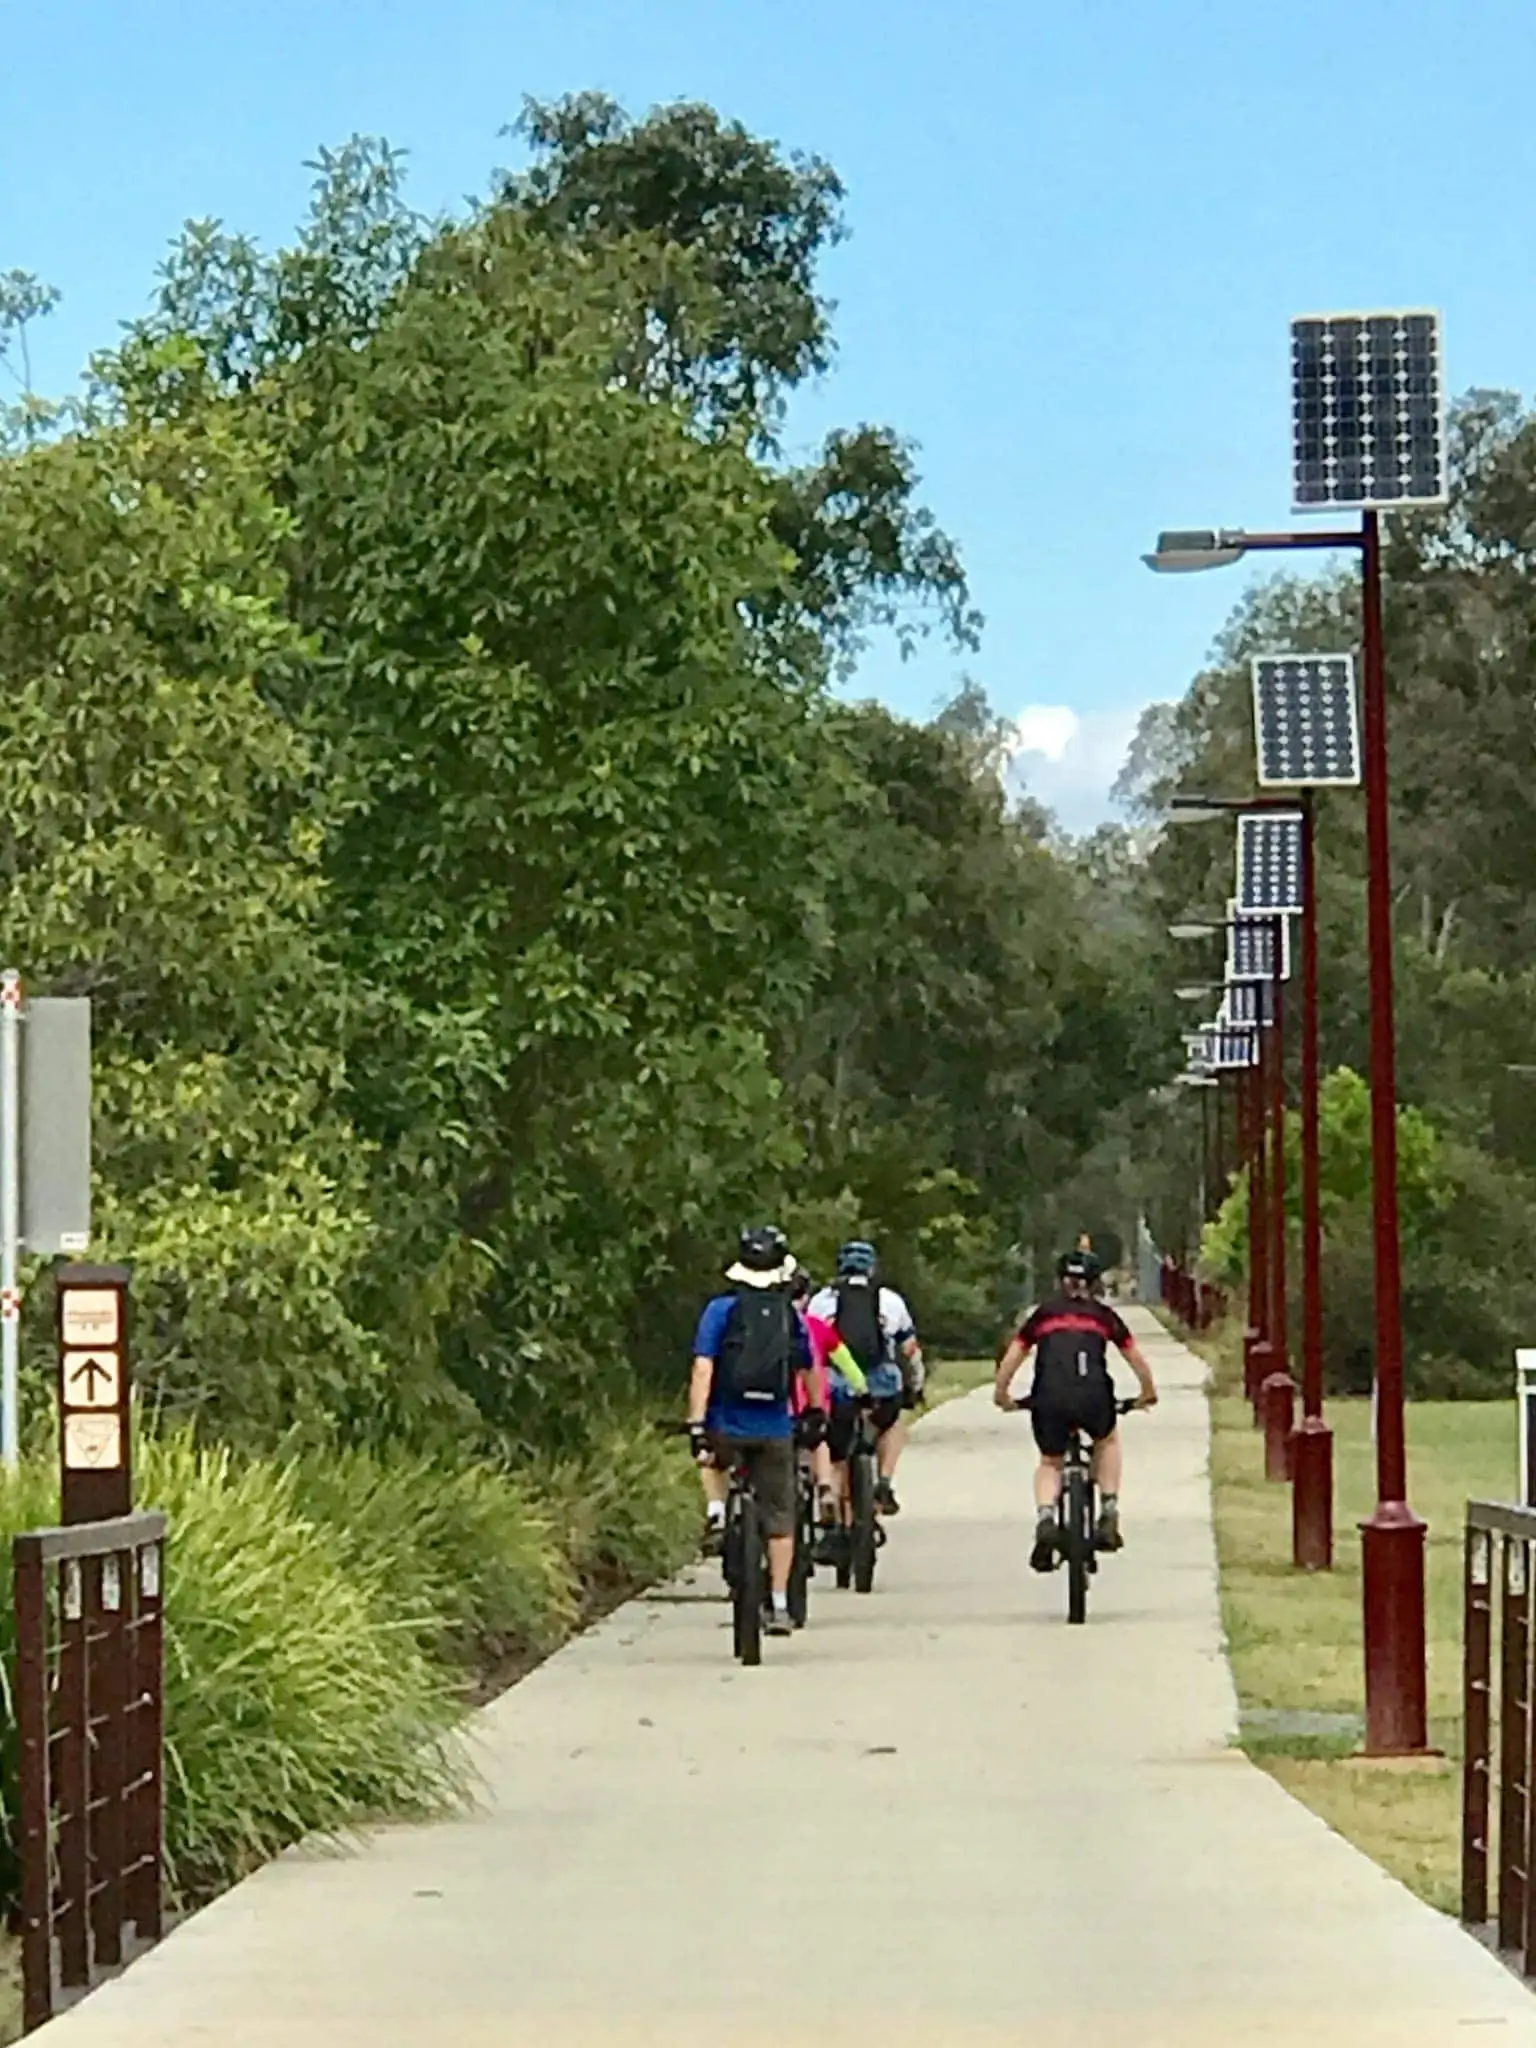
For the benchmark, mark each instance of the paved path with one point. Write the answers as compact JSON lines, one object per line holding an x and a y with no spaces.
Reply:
{"x":941,"y":1817}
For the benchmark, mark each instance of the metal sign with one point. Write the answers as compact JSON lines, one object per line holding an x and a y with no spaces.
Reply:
{"x":95,"y":1389}
{"x":1367,"y":411}
{"x":45,"y":1156}
{"x":1525,"y":1397}
{"x":1306,"y":721}
{"x":56,"y":1124}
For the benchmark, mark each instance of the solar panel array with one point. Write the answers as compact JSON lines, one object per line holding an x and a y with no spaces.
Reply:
{"x":1269,"y":877}
{"x":1306,"y":720}
{"x":1248,"y":1002}
{"x":1234,"y":1046}
{"x":1368,"y":410}
{"x":1251,"y":947}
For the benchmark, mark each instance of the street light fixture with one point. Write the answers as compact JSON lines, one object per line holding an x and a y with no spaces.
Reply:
{"x":1387,"y":452}
{"x":1197,"y":991}
{"x":1261,"y":1126}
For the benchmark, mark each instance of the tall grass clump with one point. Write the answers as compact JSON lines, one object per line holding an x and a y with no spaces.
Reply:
{"x":628,"y":1508}
{"x":464,"y":1554}
{"x":293,"y":1705}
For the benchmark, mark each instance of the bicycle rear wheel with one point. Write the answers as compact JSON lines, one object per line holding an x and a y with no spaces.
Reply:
{"x":861,"y":1485}
{"x":803,"y":1566}
{"x":749,"y":1584}
{"x":1077,"y":1537}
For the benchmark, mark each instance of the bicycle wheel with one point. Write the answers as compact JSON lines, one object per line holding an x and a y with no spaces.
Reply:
{"x":804,"y":1564}
{"x":862,"y":1545}
{"x":730,"y":1545}
{"x":749,"y":1586}
{"x":1078,"y":1536}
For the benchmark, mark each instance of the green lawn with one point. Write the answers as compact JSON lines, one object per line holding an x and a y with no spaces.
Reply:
{"x":951,"y":1377}
{"x":1294,"y":1638}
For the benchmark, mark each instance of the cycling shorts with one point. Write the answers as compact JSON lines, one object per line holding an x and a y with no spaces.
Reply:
{"x":1088,"y":1405}
{"x":884,"y":1412}
{"x":771,"y":1463}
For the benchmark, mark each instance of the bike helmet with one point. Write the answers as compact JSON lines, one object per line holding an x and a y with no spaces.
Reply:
{"x":1078,"y":1266}
{"x":762,"y":1249}
{"x":802,"y":1286}
{"x":856,"y":1259}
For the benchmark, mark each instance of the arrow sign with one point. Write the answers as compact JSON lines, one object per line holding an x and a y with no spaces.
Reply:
{"x":92,"y":1379}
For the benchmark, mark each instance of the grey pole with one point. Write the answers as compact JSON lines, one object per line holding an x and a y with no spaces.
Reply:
{"x":10,"y":1212}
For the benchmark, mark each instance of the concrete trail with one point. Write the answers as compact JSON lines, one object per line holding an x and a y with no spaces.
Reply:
{"x":939,"y":1817}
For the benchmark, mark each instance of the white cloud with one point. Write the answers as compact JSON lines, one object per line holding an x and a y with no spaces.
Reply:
{"x":1068,"y":760}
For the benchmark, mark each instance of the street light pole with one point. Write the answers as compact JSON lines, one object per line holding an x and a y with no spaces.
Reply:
{"x":1277,"y":1391}
{"x":1392,"y":1541}
{"x":1312,"y":1445}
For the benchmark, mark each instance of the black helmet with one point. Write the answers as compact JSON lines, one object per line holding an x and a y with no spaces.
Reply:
{"x":1078,"y":1266}
{"x":763,"y":1249}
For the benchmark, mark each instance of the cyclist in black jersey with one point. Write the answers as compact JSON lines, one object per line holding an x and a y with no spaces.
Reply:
{"x":1071,"y":1335}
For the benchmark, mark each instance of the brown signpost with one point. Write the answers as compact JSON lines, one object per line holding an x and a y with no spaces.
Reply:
{"x":95,"y":1387}
{"x":89,"y":1686}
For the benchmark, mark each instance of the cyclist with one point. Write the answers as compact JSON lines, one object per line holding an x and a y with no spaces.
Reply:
{"x":1096,"y":1278}
{"x":813,"y":1403}
{"x":750,"y":1354}
{"x":876,"y":1325}
{"x":1072,"y":1389}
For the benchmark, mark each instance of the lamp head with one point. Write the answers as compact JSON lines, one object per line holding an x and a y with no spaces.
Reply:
{"x":1180,"y":553}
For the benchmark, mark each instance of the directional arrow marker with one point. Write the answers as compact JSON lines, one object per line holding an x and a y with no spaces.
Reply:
{"x":92,"y":1379}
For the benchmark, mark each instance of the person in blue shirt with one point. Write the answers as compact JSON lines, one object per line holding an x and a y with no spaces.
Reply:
{"x":750,"y":1350}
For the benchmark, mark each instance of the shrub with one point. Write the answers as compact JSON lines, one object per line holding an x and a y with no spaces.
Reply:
{"x":628,"y":1509}
{"x":464,"y":1554}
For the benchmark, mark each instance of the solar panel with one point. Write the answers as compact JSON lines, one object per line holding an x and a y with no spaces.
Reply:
{"x":1306,"y":721}
{"x":1269,"y":877}
{"x":1251,"y":947}
{"x":1248,"y":1002}
{"x":1367,"y":410}
{"x":1234,"y":1046}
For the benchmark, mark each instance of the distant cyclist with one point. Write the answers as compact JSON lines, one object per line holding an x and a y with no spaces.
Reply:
{"x":832,"y":1364}
{"x":876,"y":1325}
{"x":1073,"y":1389}
{"x":750,"y":1353}
{"x":1096,"y":1273}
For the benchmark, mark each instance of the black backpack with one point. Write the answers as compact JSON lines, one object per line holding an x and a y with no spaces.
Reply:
{"x":858,"y":1320}
{"x":757,"y":1359}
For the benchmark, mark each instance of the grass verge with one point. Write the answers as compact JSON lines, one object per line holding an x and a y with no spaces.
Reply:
{"x":948,"y":1378}
{"x":1294,"y":1638}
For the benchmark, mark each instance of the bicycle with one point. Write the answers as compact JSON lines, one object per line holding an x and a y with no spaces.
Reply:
{"x":743,"y":1554}
{"x":1078,"y":1512}
{"x":862,"y":1534}
{"x":807,"y":1531}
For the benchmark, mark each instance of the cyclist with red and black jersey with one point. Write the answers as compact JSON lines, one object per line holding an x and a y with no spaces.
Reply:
{"x":1071,"y":1335}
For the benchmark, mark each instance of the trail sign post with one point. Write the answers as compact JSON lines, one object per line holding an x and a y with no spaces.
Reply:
{"x":95,"y":1446}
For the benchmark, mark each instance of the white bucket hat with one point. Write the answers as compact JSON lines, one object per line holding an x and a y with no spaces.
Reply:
{"x":748,"y":1276}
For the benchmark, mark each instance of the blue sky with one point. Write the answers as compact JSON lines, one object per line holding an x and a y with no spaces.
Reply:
{"x":1078,"y":232}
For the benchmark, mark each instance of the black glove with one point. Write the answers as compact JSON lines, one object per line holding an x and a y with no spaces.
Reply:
{"x":698,"y":1442}
{"x":811,"y":1427}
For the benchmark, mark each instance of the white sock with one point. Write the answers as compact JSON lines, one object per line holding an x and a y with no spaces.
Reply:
{"x":781,"y":1603}
{"x":714,"y":1513}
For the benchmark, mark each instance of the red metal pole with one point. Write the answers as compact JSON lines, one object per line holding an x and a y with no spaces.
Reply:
{"x":1277,"y":1391}
{"x":1312,"y":1445}
{"x":1257,"y":1347}
{"x":1392,"y":1541}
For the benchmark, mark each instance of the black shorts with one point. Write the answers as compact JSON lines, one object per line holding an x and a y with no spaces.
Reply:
{"x":1057,"y":1411}
{"x":884,"y":1413}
